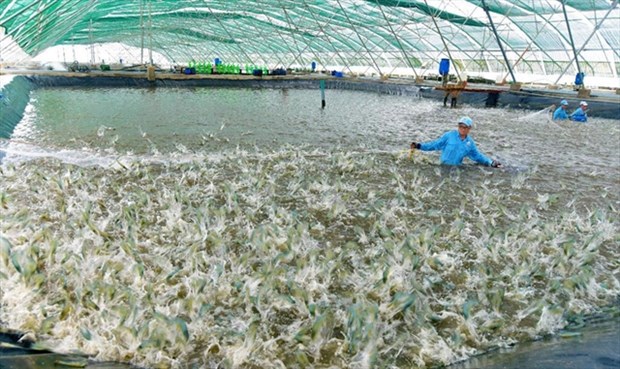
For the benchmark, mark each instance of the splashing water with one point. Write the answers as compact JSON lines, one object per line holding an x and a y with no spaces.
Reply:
{"x":284,"y":248}
{"x":539,"y":115}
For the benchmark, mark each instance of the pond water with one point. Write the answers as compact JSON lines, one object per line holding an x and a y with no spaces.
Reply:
{"x":246,"y":228}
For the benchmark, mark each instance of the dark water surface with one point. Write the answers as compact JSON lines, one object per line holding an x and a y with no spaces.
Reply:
{"x":597,"y":346}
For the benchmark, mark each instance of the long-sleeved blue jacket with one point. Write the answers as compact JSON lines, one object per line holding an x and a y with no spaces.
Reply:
{"x":454,"y":149}
{"x":579,"y":115}
{"x":560,"y":114}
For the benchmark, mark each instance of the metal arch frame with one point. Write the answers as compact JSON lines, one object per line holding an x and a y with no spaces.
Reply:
{"x":230,"y":53}
{"x":28,"y":31}
{"x":292,"y":24}
{"x":382,"y":40}
{"x":360,"y":38}
{"x":400,"y":45}
{"x":60,"y":32}
{"x":296,"y":53}
{"x":154,"y":36}
{"x":291,"y":35}
{"x":499,"y":41}
{"x":226,"y":30}
{"x":560,"y":35}
{"x":595,"y":27}
{"x":527,"y":35}
{"x":382,"y":36}
{"x":260,"y":31}
{"x":445,"y":45}
{"x":594,"y":31}
{"x":348,"y":45}
{"x":524,"y":35}
{"x":451,"y":24}
{"x":416,"y":33}
{"x":458,"y":29}
{"x":324,"y":33}
{"x":401,"y":49}
{"x":532,"y":39}
{"x":482,"y":49}
{"x":321,"y":28}
{"x":403,"y":40}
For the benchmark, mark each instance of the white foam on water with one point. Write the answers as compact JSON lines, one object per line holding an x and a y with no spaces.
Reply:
{"x":5,"y":79}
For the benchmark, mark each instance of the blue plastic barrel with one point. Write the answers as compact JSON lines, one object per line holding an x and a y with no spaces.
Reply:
{"x":444,"y":66}
{"x":217,"y":61}
{"x":579,"y":78}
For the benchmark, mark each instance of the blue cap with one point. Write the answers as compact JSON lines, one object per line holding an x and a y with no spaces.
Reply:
{"x":564,"y":102}
{"x":466,"y":121}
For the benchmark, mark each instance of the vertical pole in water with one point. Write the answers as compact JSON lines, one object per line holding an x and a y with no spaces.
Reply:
{"x":322,"y":84}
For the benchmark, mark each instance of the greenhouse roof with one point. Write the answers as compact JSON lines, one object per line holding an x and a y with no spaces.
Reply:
{"x":539,"y":36}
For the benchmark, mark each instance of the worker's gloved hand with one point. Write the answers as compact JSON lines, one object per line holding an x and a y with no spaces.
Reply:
{"x":496,"y":164}
{"x":415,"y":145}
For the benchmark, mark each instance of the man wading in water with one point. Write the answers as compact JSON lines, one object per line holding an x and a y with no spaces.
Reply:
{"x":456,"y":145}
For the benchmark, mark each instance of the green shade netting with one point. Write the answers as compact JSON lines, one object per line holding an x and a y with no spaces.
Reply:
{"x":381,"y":34}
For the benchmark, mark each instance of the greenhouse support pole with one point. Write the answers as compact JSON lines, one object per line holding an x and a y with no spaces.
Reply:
{"x":570,"y":36}
{"x":499,"y":42}
{"x":613,"y":6}
{"x":142,"y":32}
{"x":92,"y":43}
{"x":445,"y":45}
{"x":321,"y":28}
{"x":150,"y":36}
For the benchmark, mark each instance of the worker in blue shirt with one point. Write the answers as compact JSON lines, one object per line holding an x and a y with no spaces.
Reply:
{"x":456,"y":145}
{"x":560,"y":113}
{"x":580,"y":114}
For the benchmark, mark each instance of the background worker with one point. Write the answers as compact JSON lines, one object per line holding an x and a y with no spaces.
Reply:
{"x":580,"y":115}
{"x":560,"y":112}
{"x":456,"y":145}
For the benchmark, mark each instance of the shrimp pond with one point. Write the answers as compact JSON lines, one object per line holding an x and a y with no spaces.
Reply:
{"x":249,"y":228}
